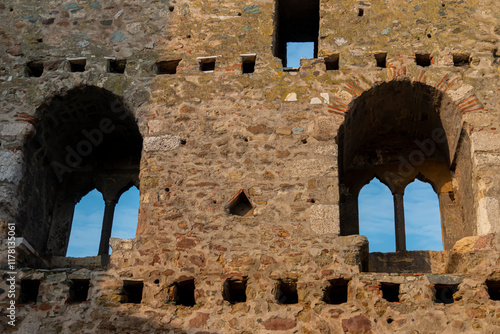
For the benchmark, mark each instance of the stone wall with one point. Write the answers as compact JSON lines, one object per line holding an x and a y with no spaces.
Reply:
{"x":273,"y":133}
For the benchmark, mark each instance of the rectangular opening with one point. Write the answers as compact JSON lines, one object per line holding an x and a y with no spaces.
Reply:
{"x":182,"y":292}
{"x":332,"y":62}
{"x":493,"y":289}
{"x":248,"y":63}
{"x":34,"y":69}
{"x":234,"y":290}
{"x":390,"y":291}
{"x":132,"y":290}
{"x":381,"y":59}
{"x":295,"y":22}
{"x":29,"y":291}
{"x":423,"y":59}
{"x":207,"y":64}
{"x":167,"y":66}
{"x":336,"y":291}
{"x":444,"y":293}
{"x":77,"y":64}
{"x":461,"y":59}
{"x":78,"y":291}
{"x":117,"y":65}
{"x":286,"y":291}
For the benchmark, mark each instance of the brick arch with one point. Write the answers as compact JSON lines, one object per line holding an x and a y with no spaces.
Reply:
{"x":390,"y":123}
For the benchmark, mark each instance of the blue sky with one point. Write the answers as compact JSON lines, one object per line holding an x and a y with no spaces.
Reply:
{"x":295,"y":51}
{"x":87,"y":222}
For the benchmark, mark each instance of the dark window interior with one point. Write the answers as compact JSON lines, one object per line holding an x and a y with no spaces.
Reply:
{"x":295,"y":21}
{"x":423,"y":59}
{"x":248,"y":63}
{"x":117,"y":65}
{"x":390,"y":291}
{"x":444,"y":293}
{"x":234,"y":290}
{"x":286,"y":292}
{"x":461,"y":59}
{"x":336,"y":292}
{"x":77,"y":65}
{"x":183,"y":293}
{"x":332,"y":62}
{"x":132,"y":291}
{"x":207,"y":64}
{"x":381,"y":59}
{"x":29,"y":291}
{"x":493,"y":289}
{"x":167,"y":66}
{"x":34,"y":69}
{"x":78,"y":291}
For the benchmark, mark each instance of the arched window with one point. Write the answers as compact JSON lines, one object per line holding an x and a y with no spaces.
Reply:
{"x":422,"y":220}
{"x":376,"y":216}
{"x":398,"y":131}
{"x":126,"y":215}
{"x":86,"y":226}
{"x":85,"y":139}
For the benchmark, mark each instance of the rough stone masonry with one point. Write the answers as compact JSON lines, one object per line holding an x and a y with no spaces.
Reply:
{"x":249,"y":170}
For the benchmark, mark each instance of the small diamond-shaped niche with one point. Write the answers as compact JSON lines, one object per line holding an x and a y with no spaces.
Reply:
{"x":240,"y":204}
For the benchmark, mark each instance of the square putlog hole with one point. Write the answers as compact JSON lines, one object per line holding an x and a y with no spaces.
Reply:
{"x":78,"y":291}
{"x":248,"y":63}
{"x":234,"y":290}
{"x":132,"y":290}
{"x":239,"y":205}
{"x":336,"y":292}
{"x":207,"y":64}
{"x":390,"y":291}
{"x":182,"y":292}
{"x":77,"y":64}
{"x":167,"y":66}
{"x":461,"y":59}
{"x":286,"y":291}
{"x":493,"y":289}
{"x":444,"y":293}
{"x":29,"y":291}
{"x":423,"y":59}
{"x":34,"y":69}
{"x":117,"y":65}
{"x":332,"y":62}
{"x":381,"y":59}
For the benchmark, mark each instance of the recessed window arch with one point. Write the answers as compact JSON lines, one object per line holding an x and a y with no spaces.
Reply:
{"x":85,"y":138}
{"x":397,"y":131}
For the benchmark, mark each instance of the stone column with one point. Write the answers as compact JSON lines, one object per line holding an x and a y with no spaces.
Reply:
{"x":107,"y":224}
{"x":399,"y":222}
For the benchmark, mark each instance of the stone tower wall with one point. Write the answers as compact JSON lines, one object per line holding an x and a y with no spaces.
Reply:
{"x":291,"y":140}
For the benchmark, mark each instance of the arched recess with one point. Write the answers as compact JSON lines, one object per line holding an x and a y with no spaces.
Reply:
{"x":84,"y":139}
{"x":398,"y":131}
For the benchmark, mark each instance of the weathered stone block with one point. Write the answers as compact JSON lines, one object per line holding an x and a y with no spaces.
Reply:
{"x":324,"y":218}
